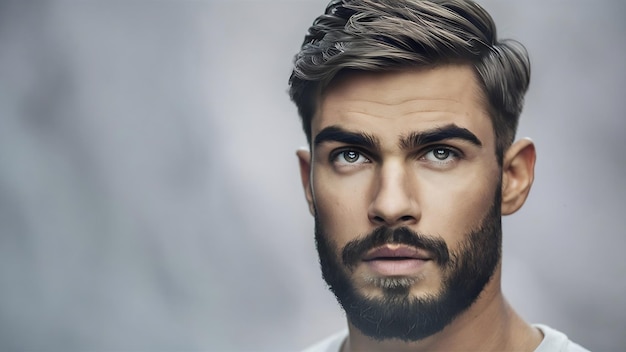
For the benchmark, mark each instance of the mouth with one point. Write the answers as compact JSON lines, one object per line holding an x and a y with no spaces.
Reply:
{"x":396,"y":260}
{"x":396,"y":252}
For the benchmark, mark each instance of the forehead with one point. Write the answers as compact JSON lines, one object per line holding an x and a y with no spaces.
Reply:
{"x":400,"y":102}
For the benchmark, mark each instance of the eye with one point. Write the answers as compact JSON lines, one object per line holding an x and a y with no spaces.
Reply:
{"x":349,"y":157}
{"x":441,"y":154}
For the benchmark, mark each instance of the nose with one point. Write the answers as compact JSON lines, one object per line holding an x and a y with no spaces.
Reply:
{"x":394,"y":202}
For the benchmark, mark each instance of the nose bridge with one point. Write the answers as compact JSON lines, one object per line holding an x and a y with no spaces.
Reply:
{"x":394,"y":200}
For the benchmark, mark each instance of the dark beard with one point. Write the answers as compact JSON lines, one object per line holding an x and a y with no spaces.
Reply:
{"x":397,"y":315}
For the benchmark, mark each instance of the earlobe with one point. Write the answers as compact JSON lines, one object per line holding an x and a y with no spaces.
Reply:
{"x":518,"y":173}
{"x":304,"y":159}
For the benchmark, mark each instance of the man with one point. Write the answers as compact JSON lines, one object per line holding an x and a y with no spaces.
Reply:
{"x":410,"y":109}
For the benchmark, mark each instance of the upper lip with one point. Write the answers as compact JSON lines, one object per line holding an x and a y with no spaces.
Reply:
{"x":396,"y":251}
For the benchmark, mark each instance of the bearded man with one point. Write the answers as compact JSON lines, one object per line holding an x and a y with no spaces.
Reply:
{"x":410,"y":110}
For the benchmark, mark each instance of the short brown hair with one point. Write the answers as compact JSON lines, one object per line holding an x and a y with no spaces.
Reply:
{"x":384,"y":35}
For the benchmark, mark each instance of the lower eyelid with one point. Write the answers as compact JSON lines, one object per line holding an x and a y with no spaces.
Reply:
{"x":453,"y":157}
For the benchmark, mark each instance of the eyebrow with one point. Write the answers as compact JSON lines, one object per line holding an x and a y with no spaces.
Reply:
{"x":451,"y":131}
{"x":338,"y":134}
{"x":411,"y":141}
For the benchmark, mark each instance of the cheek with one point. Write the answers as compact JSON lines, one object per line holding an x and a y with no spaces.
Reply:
{"x":458,"y":204}
{"x":341,"y":207}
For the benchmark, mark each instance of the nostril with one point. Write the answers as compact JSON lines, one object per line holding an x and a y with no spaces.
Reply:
{"x":379,"y":220}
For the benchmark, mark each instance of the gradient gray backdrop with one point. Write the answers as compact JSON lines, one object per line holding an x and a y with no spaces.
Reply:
{"x":149,"y":192}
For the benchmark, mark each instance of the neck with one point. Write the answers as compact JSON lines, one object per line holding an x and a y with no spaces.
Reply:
{"x":490,"y":324}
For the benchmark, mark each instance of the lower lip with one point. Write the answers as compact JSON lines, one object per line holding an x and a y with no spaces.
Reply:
{"x":404,"y":267}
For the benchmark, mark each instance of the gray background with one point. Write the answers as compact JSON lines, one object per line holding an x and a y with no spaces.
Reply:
{"x":150,"y":197}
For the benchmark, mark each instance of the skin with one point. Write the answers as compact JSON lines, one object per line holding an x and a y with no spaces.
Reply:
{"x":400,"y":185}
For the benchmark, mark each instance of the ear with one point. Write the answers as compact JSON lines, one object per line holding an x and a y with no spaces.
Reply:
{"x":304,"y":158}
{"x":518,"y":173}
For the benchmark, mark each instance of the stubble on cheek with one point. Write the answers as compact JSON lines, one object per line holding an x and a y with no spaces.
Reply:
{"x":342,"y":219}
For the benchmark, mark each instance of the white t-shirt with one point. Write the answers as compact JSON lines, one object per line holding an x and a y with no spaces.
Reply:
{"x":553,"y":341}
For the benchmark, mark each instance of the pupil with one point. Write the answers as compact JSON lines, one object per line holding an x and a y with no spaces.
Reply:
{"x":351,"y":156}
{"x":441,"y":154}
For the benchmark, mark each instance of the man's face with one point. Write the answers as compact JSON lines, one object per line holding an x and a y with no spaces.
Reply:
{"x":405,"y":188}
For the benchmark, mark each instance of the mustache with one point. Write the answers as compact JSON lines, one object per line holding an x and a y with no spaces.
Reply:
{"x":355,"y":250}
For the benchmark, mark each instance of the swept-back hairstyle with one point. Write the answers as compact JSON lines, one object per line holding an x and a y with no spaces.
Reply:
{"x":385,"y":35}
